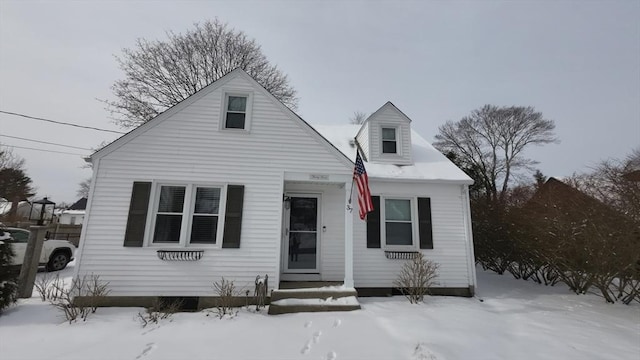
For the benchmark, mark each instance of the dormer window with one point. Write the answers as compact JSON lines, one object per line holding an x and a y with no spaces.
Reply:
{"x":389,"y":140}
{"x":236,"y":112}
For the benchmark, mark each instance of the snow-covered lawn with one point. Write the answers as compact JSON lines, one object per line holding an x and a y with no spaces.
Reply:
{"x":510,"y":319}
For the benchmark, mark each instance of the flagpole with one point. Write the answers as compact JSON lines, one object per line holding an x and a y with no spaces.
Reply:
{"x":353,"y":178}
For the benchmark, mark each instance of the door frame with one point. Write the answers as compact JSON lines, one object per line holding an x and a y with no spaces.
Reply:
{"x":286,"y":218}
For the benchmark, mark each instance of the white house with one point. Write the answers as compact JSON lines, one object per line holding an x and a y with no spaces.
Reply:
{"x":231,"y":183}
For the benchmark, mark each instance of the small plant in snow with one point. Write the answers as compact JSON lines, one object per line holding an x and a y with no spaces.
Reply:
{"x":48,"y":287}
{"x":417,"y":275}
{"x":159,"y":310}
{"x":226,"y":290}
{"x":88,"y":287}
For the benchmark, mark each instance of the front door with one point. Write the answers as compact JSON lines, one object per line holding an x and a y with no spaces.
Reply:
{"x":301,"y":235}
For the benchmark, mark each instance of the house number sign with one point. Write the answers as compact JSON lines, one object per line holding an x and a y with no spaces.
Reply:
{"x":318,"y":177}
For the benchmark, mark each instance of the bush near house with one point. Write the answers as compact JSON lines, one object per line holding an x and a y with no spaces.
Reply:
{"x":8,"y":275}
{"x":563,"y":235}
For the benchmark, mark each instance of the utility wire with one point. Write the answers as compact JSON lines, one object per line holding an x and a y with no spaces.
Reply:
{"x":44,"y":142}
{"x":50,"y":151}
{"x":60,"y":122}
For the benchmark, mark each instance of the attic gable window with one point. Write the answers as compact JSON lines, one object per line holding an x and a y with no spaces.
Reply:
{"x":389,"y":140}
{"x":236,"y":112}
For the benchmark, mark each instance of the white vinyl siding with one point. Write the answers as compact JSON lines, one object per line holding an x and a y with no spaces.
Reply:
{"x":179,"y":149}
{"x":450,"y":243}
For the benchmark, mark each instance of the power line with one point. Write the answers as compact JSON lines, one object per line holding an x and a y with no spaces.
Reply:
{"x":50,"y":151}
{"x":60,"y":122}
{"x":44,"y":142}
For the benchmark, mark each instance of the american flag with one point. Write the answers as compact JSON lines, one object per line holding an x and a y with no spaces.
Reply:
{"x":362,"y":181}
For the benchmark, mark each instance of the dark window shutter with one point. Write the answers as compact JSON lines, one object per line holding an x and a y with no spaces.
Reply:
{"x":424,"y":223}
{"x":136,"y":222}
{"x":233,"y":216}
{"x":373,"y":225}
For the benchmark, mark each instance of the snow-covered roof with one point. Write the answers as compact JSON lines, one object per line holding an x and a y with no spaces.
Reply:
{"x":73,"y":212}
{"x":428,"y":163}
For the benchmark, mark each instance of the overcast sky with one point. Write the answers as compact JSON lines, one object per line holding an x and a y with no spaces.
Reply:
{"x":577,"y":62}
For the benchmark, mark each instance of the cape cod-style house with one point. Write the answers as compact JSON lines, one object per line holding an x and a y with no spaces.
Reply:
{"x":231,"y":183}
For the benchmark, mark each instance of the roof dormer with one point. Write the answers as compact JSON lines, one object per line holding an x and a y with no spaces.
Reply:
{"x":385,"y":137}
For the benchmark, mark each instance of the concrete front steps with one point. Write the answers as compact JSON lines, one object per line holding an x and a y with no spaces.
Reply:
{"x":303,"y":297}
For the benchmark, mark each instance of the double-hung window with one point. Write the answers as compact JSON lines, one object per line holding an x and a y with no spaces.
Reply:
{"x":389,"y":140}
{"x":186,"y":214}
{"x":235,"y":116}
{"x":398,"y":222}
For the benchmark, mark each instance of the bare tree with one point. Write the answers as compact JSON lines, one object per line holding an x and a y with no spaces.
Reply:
{"x":358,"y":118}
{"x":83,"y":188}
{"x":8,"y":160}
{"x":160,"y":74}
{"x":491,"y":141}
{"x":608,"y":183}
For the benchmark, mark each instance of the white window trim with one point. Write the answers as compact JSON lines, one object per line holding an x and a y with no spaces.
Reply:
{"x":398,"y":152}
{"x":414,"y":224}
{"x":248,"y":111}
{"x":189,"y":205}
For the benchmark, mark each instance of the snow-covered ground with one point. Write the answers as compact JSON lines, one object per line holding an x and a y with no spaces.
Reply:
{"x":510,"y":319}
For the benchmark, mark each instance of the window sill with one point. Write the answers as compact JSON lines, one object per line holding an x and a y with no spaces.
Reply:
{"x":180,"y":255}
{"x":400,"y":255}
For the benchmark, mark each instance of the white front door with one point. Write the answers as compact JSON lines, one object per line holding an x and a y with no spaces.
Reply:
{"x":301,"y":235}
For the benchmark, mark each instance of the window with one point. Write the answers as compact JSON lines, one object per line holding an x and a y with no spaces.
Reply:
{"x":72,"y":221}
{"x":236,"y":112}
{"x":186,"y":214}
{"x":389,"y":141}
{"x":398,"y":223}
{"x":205,"y":216}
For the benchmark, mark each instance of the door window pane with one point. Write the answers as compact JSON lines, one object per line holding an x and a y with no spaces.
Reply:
{"x":304,"y":214}
{"x":302,"y":250}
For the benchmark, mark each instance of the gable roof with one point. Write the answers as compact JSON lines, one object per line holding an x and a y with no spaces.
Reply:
{"x":429,"y":164}
{"x":203,"y":92}
{"x":79,"y":205}
{"x":558,"y":194}
{"x":388,"y":105}
{"x":556,"y":198}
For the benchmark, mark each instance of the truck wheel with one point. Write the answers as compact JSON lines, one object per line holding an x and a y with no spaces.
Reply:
{"x":58,"y":261}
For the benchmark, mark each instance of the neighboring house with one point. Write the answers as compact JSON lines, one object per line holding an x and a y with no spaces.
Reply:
{"x":71,"y":217}
{"x":236,"y":182}
{"x":562,"y":202}
{"x":74,"y":215}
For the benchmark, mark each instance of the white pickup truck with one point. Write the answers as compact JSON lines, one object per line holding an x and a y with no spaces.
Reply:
{"x":56,"y":254}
